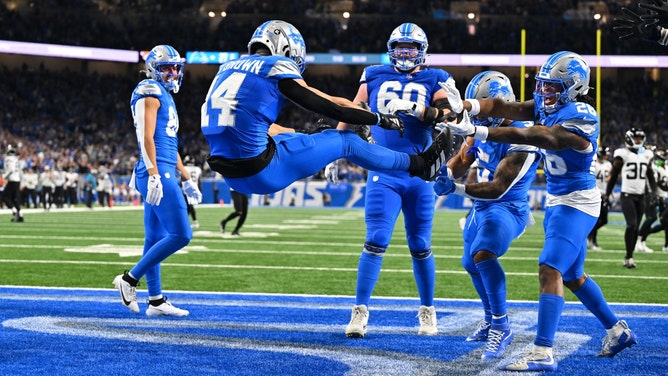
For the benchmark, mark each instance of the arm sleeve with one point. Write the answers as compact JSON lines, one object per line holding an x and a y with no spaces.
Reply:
{"x":313,"y":102}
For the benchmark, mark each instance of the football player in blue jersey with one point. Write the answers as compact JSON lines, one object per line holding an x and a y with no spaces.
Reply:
{"x":566,"y":130}
{"x":405,"y":85}
{"x":156,"y":176}
{"x":500,"y":211}
{"x":245,"y":98}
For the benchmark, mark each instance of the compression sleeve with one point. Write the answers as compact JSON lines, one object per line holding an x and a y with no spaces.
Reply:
{"x":313,"y":102}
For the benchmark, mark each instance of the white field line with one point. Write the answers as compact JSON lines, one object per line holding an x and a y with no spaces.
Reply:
{"x":301,"y":268}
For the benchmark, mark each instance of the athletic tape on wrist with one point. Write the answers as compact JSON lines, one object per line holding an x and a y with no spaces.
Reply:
{"x":481,"y":133}
{"x":475,"y":106}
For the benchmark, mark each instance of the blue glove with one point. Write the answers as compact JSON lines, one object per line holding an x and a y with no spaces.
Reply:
{"x":445,"y":183}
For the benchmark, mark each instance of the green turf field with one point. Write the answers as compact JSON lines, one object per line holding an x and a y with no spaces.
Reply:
{"x":293,"y":250}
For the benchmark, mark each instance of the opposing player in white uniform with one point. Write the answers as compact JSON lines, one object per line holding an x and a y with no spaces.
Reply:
{"x":195,"y":172}
{"x":500,"y":211}
{"x":566,"y":130}
{"x":158,"y":174}
{"x":602,"y":172}
{"x":12,"y":174}
{"x":633,"y":164}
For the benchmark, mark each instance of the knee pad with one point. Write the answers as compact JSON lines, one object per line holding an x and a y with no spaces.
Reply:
{"x":421,"y":255}
{"x":375,"y":250}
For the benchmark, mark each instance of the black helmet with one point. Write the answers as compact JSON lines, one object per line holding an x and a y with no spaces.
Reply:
{"x":631,"y":134}
{"x":603,"y":151}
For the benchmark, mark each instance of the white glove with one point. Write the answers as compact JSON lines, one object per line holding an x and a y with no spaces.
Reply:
{"x":454,"y":97}
{"x":332,"y":172}
{"x":400,"y":105}
{"x":465,"y":128}
{"x":154,"y":190}
{"x":193,"y":195}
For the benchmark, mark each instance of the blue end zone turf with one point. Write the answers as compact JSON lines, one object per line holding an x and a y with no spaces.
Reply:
{"x":82,"y":332}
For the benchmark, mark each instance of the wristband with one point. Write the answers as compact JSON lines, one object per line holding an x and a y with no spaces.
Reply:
{"x":475,"y":106}
{"x":377,"y":116}
{"x":460,"y":189}
{"x":481,"y":133}
{"x":417,"y":110}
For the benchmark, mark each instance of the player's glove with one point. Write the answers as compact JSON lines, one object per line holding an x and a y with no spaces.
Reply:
{"x":466,"y":128}
{"x":390,"y":122}
{"x":332,"y":172}
{"x":193,"y":195}
{"x":445,"y":183}
{"x":407,"y":107}
{"x":317,"y":127}
{"x":658,"y":12}
{"x":154,"y":190}
{"x":364,"y":131}
{"x":629,"y":25}
{"x":454,"y":97}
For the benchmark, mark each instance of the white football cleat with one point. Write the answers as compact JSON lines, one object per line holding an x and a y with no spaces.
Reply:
{"x":165,"y":309}
{"x":358,"y":322}
{"x":428,"y":321}
{"x":128,"y":293}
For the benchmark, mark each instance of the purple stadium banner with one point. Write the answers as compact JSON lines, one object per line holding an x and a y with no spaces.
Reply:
{"x":605,"y":61}
{"x":75,"y":52}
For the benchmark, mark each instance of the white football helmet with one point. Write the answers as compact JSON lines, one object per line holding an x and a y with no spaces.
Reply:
{"x":159,"y":64}
{"x":487,"y":85}
{"x":282,"y":39}
{"x":409,"y":33}
{"x":563,"y":77}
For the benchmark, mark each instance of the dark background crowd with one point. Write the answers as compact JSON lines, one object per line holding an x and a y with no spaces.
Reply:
{"x":81,"y":119}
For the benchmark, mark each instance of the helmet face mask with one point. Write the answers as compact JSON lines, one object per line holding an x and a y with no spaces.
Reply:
{"x":634,"y":138}
{"x":281,"y":39}
{"x":407,"y":58}
{"x":487,"y":85}
{"x":561,"y":79}
{"x":164,"y":64}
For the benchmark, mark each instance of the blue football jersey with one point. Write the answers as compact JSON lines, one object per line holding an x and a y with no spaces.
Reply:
{"x":384,"y":83}
{"x":242,"y":102}
{"x":167,"y":124}
{"x":489,"y":154}
{"x":569,"y":170}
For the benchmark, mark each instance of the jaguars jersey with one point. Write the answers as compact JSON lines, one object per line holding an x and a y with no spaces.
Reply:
{"x":661,"y":176}
{"x":12,"y":170}
{"x":242,"y":102}
{"x":384,"y":83}
{"x":634,"y":170}
{"x":602,"y":171}
{"x":167,"y":124}
{"x":488,"y":156}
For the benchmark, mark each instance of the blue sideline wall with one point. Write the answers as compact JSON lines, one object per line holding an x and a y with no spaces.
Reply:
{"x":310,"y":193}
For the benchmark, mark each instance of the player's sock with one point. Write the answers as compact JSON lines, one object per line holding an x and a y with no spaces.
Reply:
{"x":424,"y":270}
{"x":494,"y":279}
{"x":549,"y":312}
{"x":591,"y":296}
